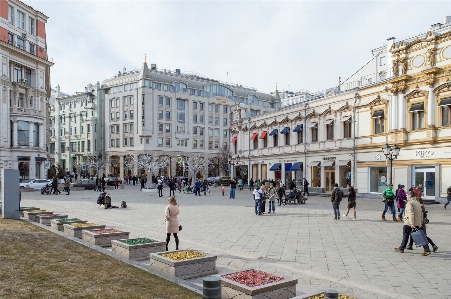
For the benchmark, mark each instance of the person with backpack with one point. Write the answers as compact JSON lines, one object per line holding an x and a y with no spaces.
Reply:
{"x":351,"y":202}
{"x":335,"y":197}
{"x":305,"y":183}
{"x":281,"y":193}
{"x":401,"y":198}
{"x":448,"y":196}
{"x":389,"y":200}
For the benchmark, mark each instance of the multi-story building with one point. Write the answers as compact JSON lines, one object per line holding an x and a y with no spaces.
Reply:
{"x":76,"y":127}
{"x":25,"y":87}
{"x":171,"y":113}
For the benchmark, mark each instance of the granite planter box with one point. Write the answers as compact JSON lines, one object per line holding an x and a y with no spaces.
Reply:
{"x":140,"y":250}
{"x":185,"y":269}
{"x":76,"y":231}
{"x":32,"y":215}
{"x":103,"y":237}
{"x":23,"y":209}
{"x":264,"y":286}
{"x":46,"y":218}
{"x":58,"y":223}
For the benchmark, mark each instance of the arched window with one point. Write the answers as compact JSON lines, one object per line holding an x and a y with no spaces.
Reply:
{"x":219,"y":90}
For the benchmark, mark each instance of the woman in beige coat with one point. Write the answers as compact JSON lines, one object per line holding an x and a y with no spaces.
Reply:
{"x":172,"y":223}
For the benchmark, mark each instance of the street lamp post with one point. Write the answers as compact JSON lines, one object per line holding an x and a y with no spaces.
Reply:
{"x":391,"y":153}
{"x":232,"y":163}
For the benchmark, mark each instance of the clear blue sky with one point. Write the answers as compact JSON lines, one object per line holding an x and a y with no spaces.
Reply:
{"x":297,"y":44}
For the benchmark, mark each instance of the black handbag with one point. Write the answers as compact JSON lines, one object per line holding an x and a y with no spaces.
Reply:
{"x":180,"y":227}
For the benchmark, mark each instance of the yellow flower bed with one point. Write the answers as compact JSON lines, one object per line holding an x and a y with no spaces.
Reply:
{"x":183,"y":255}
{"x":84,"y":224}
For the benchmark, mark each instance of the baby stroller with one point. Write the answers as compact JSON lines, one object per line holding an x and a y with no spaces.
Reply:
{"x":47,"y":189}
{"x":188,"y":189}
{"x":295,"y":196}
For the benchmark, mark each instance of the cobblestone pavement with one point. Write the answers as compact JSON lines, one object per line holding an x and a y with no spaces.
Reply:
{"x":300,"y":241}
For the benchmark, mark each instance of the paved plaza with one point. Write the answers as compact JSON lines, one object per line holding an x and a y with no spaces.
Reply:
{"x":299,"y":241}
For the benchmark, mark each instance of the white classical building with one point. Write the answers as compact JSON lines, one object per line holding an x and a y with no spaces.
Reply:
{"x":76,"y":127}
{"x":171,"y":113}
{"x":25,"y":87}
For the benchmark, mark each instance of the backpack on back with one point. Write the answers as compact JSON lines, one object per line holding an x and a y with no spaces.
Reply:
{"x":338,"y":195}
{"x":123,"y":204}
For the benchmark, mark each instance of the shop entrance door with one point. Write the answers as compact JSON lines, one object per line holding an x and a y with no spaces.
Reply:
{"x":425,"y":178}
{"x":330,"y":180}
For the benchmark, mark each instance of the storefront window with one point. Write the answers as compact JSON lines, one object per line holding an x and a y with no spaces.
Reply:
{"x":378,"y":179}
{"x":345,"y":176}
{"x":316,"y":176}
{"x":288,"y":174}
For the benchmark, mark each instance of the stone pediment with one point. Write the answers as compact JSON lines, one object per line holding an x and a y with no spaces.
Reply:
{"x":254,"y":126}
{"x":345,"y":107}
{"x":274,"y":122}
{"x":285,"y":120}
{"x":445,"y":87}
{"x":417,"y":93}
{"x":311,"y":114}
{"x":297,"y":117}
{"x":262,"y":125}
{"x":327,"y":111}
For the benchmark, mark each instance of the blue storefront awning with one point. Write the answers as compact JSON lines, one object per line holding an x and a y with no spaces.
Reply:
{"x":285,"y":130}
{"x":273,"y":132}
{"x":298,"y":127}
{"x":275,"y":167}
{"x":296,"y":166}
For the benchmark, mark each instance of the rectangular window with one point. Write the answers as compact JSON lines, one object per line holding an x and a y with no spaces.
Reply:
{"x":210,"y":108}
{"x":131,"y":128}
{"x":89,"y":146}
{"x":168,"y":128}
{"x":180,"y":105}
{"x":31,"y":25}
{"x":10,"y":38}
{"x":417,"y":120}
{"x":216,"y":132}
{"x":117,"y":142}
{"x":111,"y":142}
{"x":160,"y":141}
{"x":347,"y":129}
{"x":194,"y":105}
{"x":210,"y":120}
{"x":160,"y":128}
{"x":112,"y":103}
{"x":194,"y":130}
{"x":446,"y":115}
{"x":378,"y":179}
{"x":201,"y":131}
{"x":224,"y":122}
{"x":315,"y":134}
{"x":194,"y":143}
{"x":20,"y":20}
{"x":63,"y":147}
{"x":160,"y":114}
{"x":201,"y":143}
{"x":201,"y":119}
{"x":168,"y":141}
{"x":160,"y":100}
{"x":210,"y":132}
{"x":225,"y":109}
{"x":330,"y":131}
{"x":117,"y":115}
{"x":195,"y":118}
{"x":265,"y":141}
{"x":125,"y":141}
{"x":300,"y":137}
{"x":82,"y":146}
{"x":52,"y":148}
{"x":201,"y":106}
{"x":131,"y":114}
{"x":168,"y":101}
{"x":117,"y":103}
{"x":132,"y":142}
{"x":210,"y":144}
{"x":216,"y":121}
{"x":125,"y":114}
{"x":88,"y":128}
{"x":112,"y":116}
{"x":180,"y":129}
{"x":287,"y":138}
{"x":181,"y":117}
{"x":216,"y":108}
{"x":255,"y":143}
{"x":17,"y":73}
{"x":382,"y":60}
{"x":125,"y":100}
{"x":125,"y":128}
{"x":224,"y":145}
{"x":11,"y":14}
{"x":168,"y":115}
{"x":225,"y":133}
{"x":32,"y":48}
{"x":379,"y":125}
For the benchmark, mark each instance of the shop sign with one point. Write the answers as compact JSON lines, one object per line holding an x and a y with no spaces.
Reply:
{"x":287,"y":161}
{"x":329,"y":158}
{"x":424,"y":154}
{"x":222,"y":100}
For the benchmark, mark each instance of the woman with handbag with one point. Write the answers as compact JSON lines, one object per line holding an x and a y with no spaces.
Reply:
{"x":172,"y":223}
{"x":351,"y":202}
{"x":423,"y":210}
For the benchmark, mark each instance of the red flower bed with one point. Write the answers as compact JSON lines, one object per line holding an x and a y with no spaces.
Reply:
{"x":253,"y":278}
{"x":105,"y":231}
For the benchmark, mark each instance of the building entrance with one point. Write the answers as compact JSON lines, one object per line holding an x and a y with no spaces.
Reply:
{"x":425,"y":178}
{"x":329,"y":173}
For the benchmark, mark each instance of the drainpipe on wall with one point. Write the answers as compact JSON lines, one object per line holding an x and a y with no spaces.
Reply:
{"x":356,"y":97}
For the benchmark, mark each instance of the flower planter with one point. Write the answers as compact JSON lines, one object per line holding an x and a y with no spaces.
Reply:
{"x":23,"y":209}
{"x":46,"y":218}
{"x":31,"y":215}
{"x":185,"y":269}
{"x":137,"y":249}
{"x":103,"y":237}
{"x":255,"y":284}
{"x":58,"y":223}
{"x":76,"y":229}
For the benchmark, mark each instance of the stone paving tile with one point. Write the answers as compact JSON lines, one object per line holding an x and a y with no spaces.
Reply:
{"x":299,"y":241}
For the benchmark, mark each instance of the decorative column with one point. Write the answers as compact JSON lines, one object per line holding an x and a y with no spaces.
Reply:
{"x":30,"y":133}
{"x":41,"y":135}
{"x":431,"y":106}
{"x":121,"y":167}
{"x":15,"y":136}
{"x":394,"y":114}
{"x":402,"y":111}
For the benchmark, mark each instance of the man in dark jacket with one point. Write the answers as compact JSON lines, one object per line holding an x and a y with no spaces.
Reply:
{"x":232,"y":188}
{"x":172,"y":187}
{"x":305,"y":183}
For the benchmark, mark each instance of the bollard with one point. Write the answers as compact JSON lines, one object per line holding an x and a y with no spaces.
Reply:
{"x":212,"y":287}
{"x":330,"y":294}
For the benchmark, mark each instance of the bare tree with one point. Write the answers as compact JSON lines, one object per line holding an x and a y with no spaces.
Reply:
{"x":223,"y":161}
{"x":152,"y":163}
{"x":196,"y":164}
{"x":78,"y":166}
{"x":99,"y":164}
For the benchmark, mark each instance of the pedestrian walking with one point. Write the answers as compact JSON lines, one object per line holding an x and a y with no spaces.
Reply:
{"x":251,"y":184}
{"x":205,"y":187}
{"x":448,"y":196}
{"x":335,"y":197}
{"x":305,"y":183}
{"x":401,"y":198}
{"x":197,"y":187}
{"x":116,"y":183}
{"x":172,"y":187}
{"x":102,"y":182}
{"x":281,"y":194}
{"x":240,"y":184}
{"x":389,"y":200}
{"x":222,"y":189}
{"x":423,"y":210}
{"x":159,"y":187}
{"x":272,"y":198}
{"x":232,"y":188}
{"x":172,"y":223}
{"x":263,"y":198}
{"x":258,"y":193}
{"x":351,"y":202}
{"x":67,"y":187}
{"x":413,"y":219}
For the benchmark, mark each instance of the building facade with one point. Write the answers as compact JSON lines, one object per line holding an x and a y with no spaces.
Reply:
{"x":25,"y":70}
{"x":171,"y":113}
{"x":76,"y":128}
